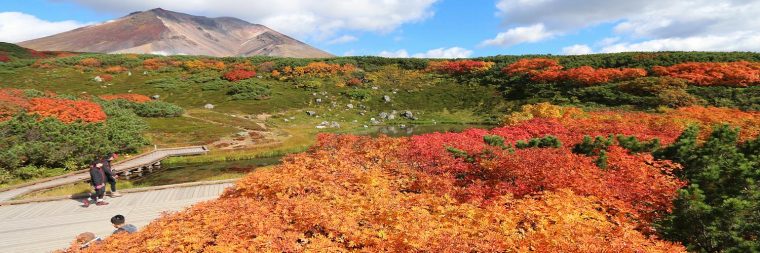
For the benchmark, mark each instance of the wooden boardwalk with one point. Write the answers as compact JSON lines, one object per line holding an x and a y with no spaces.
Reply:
{"x":47,"y":226}
{"x":123,"y":167}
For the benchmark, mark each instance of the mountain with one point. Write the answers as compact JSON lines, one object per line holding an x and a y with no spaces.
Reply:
{"x":160,"y":31}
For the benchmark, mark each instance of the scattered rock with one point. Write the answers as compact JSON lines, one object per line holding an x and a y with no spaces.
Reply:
{"x":375,"y":87}
{"x":263,"y":116}
{"x":208,"y":106}
{"x":387,"y":98}
{"x":129,"y":73}
{"x":365,"y":126}
{"x":408,"y":115}
{"x":311,"y":113}
{"x":334,"y":125}
{"x":383,"y":115}
{"x":314,"y":94}
{"x":242,"y":134}
{"x":321,"y":126}
{"x":391,"y":116}
{"x":155,"y":97}
{"x":97,"y":79}
{"x":145,"y":73}
{"x":350,"y":106}
{"x":286,"y":120}
{"x":292,"y":117}
{"x":374,"y":121}
{"x":319,"y":100}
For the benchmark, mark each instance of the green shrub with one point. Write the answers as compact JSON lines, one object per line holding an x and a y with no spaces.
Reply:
{"x":548,"y":141}
{"x":157,"y":109}
{"x":358,"y":94}
{"x":249,"y":89}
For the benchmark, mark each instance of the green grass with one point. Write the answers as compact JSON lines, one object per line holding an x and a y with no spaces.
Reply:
{"x":184,"y":131}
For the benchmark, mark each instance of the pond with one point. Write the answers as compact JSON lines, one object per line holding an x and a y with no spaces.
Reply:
{"x":195,"y":172}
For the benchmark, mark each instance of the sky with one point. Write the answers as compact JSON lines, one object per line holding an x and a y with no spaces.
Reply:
{"x":439,"y":28}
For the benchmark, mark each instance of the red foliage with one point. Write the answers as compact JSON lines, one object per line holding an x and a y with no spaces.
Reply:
{"x":353,"y":81}
{"x":4,"y":57}
{"x":11,"y":102}
{"x":106,"y":77}
{"x":137,"y":98}
{"x":734,"y":74}
{"x":89,"y":62}
{"x":549,"y":70}
{"x":532,"y":66}
{"x":238,"y":74}
{"x":459,"y":67}
{"x":67,"y":110}
{"x":155,"y":63}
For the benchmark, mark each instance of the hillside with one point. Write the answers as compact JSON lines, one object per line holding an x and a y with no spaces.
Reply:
{"x":160,"y":31}
{"x":628,"y":152}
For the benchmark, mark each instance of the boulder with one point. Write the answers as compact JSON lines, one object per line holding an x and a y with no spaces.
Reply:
{"x":386,"y":98}
{"x":350,"y":106}
{"x":155,"y":97}
{"x":383,"y":115}
{"x":311,"y":113}
{"x":319,"y":100}
{"x":408,"y":115}
{"x":208,"y":106}
{"x":97,"y":79}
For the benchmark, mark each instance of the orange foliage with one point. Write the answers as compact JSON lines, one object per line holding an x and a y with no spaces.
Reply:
{"x":115,"y":69}
{"x":89,"y":62}
{"x":106,"y":77}
{"x":319,"y":69}
{"x":459,"y":67}
{"x":154,"y":63}
{"x":238,"y":74}
{"x":11,"y":102}
{"x":549,"y":70}
{"x":67,"y":110}
{"x":358,"y":194}
{"x":203,"y":64}
{"x":733,"y":74}
{"x":137,"y":98}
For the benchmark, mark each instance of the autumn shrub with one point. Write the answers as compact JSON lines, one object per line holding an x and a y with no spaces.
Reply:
{"x":549,"y":70}
{"x":4,"y":57}
{"x":67,"y":110}
{"x":238,"y":74}
{"x":541,"y":110}
{"x":203,"y":64}
{"x":318,"y":69}
{"x":155,"y":63}
{"x":106,"y":77}
{"x":731,"y":74}
{"x":137,"y":98}
{"x":459,"y":67}
{"x":358,"y":194}
{"x":90,"y":62}
{"x":115,"y":69}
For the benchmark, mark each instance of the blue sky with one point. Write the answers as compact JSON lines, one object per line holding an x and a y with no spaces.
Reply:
{"x":440,"y":28}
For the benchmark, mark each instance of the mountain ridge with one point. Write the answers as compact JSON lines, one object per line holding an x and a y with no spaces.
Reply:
{"x":159,"y":31}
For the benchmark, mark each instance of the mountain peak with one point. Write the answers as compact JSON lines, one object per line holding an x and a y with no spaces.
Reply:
{"x":161,"y":31}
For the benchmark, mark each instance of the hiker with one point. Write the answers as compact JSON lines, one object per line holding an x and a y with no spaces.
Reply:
{"x":118,"y":222}
{"x":98,"y":181}
{"x":110,"y":176}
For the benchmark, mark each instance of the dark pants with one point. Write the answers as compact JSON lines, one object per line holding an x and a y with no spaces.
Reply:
{"x":112,"y":182}
{"x":99,"y":194}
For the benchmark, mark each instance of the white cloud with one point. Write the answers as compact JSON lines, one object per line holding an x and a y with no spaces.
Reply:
{"x":299,"y":18}
{"x":342,"y":39}
{"x":734,"y":42}
{"x":17,"y":27}
{"x":394,"y":54}
{"x":519,"y":35}
{"x":453,"y":52}
{"x":449,"y":53}
{"x":577,"y":49}
{"x":643,"y":24}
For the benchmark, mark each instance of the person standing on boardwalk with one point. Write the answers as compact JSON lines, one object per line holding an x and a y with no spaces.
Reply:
{"x":110,"y":176}
{"x":98,"y":181}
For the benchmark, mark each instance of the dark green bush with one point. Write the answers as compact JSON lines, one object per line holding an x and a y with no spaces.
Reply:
{"x":249,"y":89}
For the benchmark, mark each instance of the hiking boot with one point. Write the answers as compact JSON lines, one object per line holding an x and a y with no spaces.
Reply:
{"x":115,"y":194}
{"x":86,"y":203}
{"x":101,"y":203}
